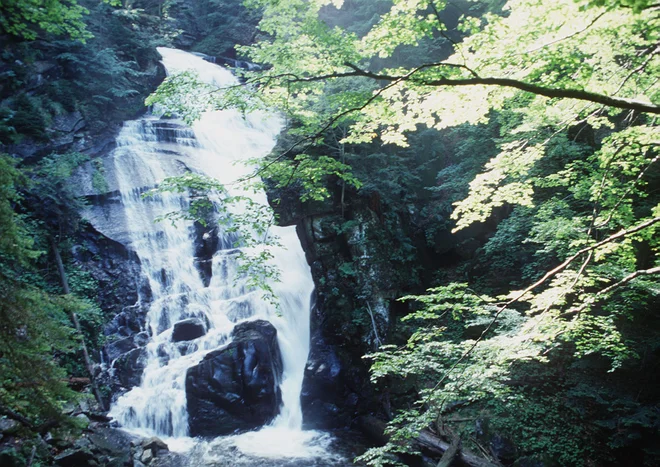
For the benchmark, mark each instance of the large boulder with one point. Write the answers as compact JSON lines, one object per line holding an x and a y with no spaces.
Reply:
{"x":188,"y":329}
{"x":75,"y":458}
{"x":155,"y":445}
{"x":236,"y":388}
{"x":9,"y":426}
{"x":112,"y":444}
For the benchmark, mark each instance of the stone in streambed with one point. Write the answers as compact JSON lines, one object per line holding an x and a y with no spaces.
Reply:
{"x":141,"y":339}
{"x":170,"y":459}
{"x":236,"y":388}
{"x":155,"y":445}
{"x":147,"y":456}
{"x":75,"y":458}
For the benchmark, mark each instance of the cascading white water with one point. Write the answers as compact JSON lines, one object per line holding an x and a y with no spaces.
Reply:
{"x":214,"y":146}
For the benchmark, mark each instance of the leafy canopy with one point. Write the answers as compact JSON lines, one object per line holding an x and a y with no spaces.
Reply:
{"x":27,"y":18}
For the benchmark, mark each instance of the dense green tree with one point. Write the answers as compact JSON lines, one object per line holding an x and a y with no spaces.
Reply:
{"x":25,"y":18}
{"x":28,"y":18}
{"x":33,"y":323}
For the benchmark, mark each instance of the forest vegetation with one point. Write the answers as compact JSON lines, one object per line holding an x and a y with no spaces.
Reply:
{"x":499,"y":157}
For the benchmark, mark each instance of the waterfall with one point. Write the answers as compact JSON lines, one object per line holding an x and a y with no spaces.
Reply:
{"x":148,"y":150}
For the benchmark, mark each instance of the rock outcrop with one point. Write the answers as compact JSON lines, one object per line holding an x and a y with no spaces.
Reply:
{"x":350,"y":316}
{"x":236,"y":388}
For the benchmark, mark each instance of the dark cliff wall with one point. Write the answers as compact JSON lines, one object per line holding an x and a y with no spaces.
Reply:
{"x":369,"y":247}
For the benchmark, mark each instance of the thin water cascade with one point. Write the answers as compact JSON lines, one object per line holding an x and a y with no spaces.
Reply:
{"x":148,"y":150}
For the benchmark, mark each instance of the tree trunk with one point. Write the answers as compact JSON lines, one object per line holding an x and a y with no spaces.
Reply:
{"x":76,"y":323}
{"x":60,"y":268}
{"x":342,"y":152}
{"x":426,"y":441}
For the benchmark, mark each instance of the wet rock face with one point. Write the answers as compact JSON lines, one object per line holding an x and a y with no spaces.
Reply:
{"x":116,"y":348}
{"x":236,"y":388}
{"x":188,"y":329}
{"x":110,"y":447}
{"x":206,"y":244}
{"x":118,"y":273}
{"x":344,"y":325}
{"x":322,"y":386}
{"x":129,"y":367}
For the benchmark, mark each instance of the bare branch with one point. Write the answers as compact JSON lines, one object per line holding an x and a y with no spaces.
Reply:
{"x":570,"y":35}
{"x":446,"y":36}
{"x":319,"y":133}
{"x":638,"y":69}
{"x":630,"y":188}
{"x":628,"y":278}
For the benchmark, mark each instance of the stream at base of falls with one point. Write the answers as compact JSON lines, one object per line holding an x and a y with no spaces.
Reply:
{"x":318,"y":449}
{"x":211,"y":291}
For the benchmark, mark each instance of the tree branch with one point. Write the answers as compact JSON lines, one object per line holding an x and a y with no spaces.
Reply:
{"x":630,"y":188}
{"x":601,"y":293}
{"x":448,"y":457}
{"x":570,"y":35}
{"x":554,"y":93}
{"x":638,"y":69}
{"x":617,"y":102}
{"x":476,"y":80}
{"x":628,"y":278}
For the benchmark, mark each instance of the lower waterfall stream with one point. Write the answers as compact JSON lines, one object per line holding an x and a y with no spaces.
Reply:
{"x":148,"y":150}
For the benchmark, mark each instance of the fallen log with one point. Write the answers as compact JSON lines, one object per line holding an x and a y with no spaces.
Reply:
{"x":9,"y":413}
{"x":73,"y":382}
{"x":449,"y":455}
{"x":78,"y":382}
{"x":43,"y":428}
{"x":98,"y":417}
{"x":374,"y":428}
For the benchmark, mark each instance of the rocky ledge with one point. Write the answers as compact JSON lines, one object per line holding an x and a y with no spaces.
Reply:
{"x":94,"y":443}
